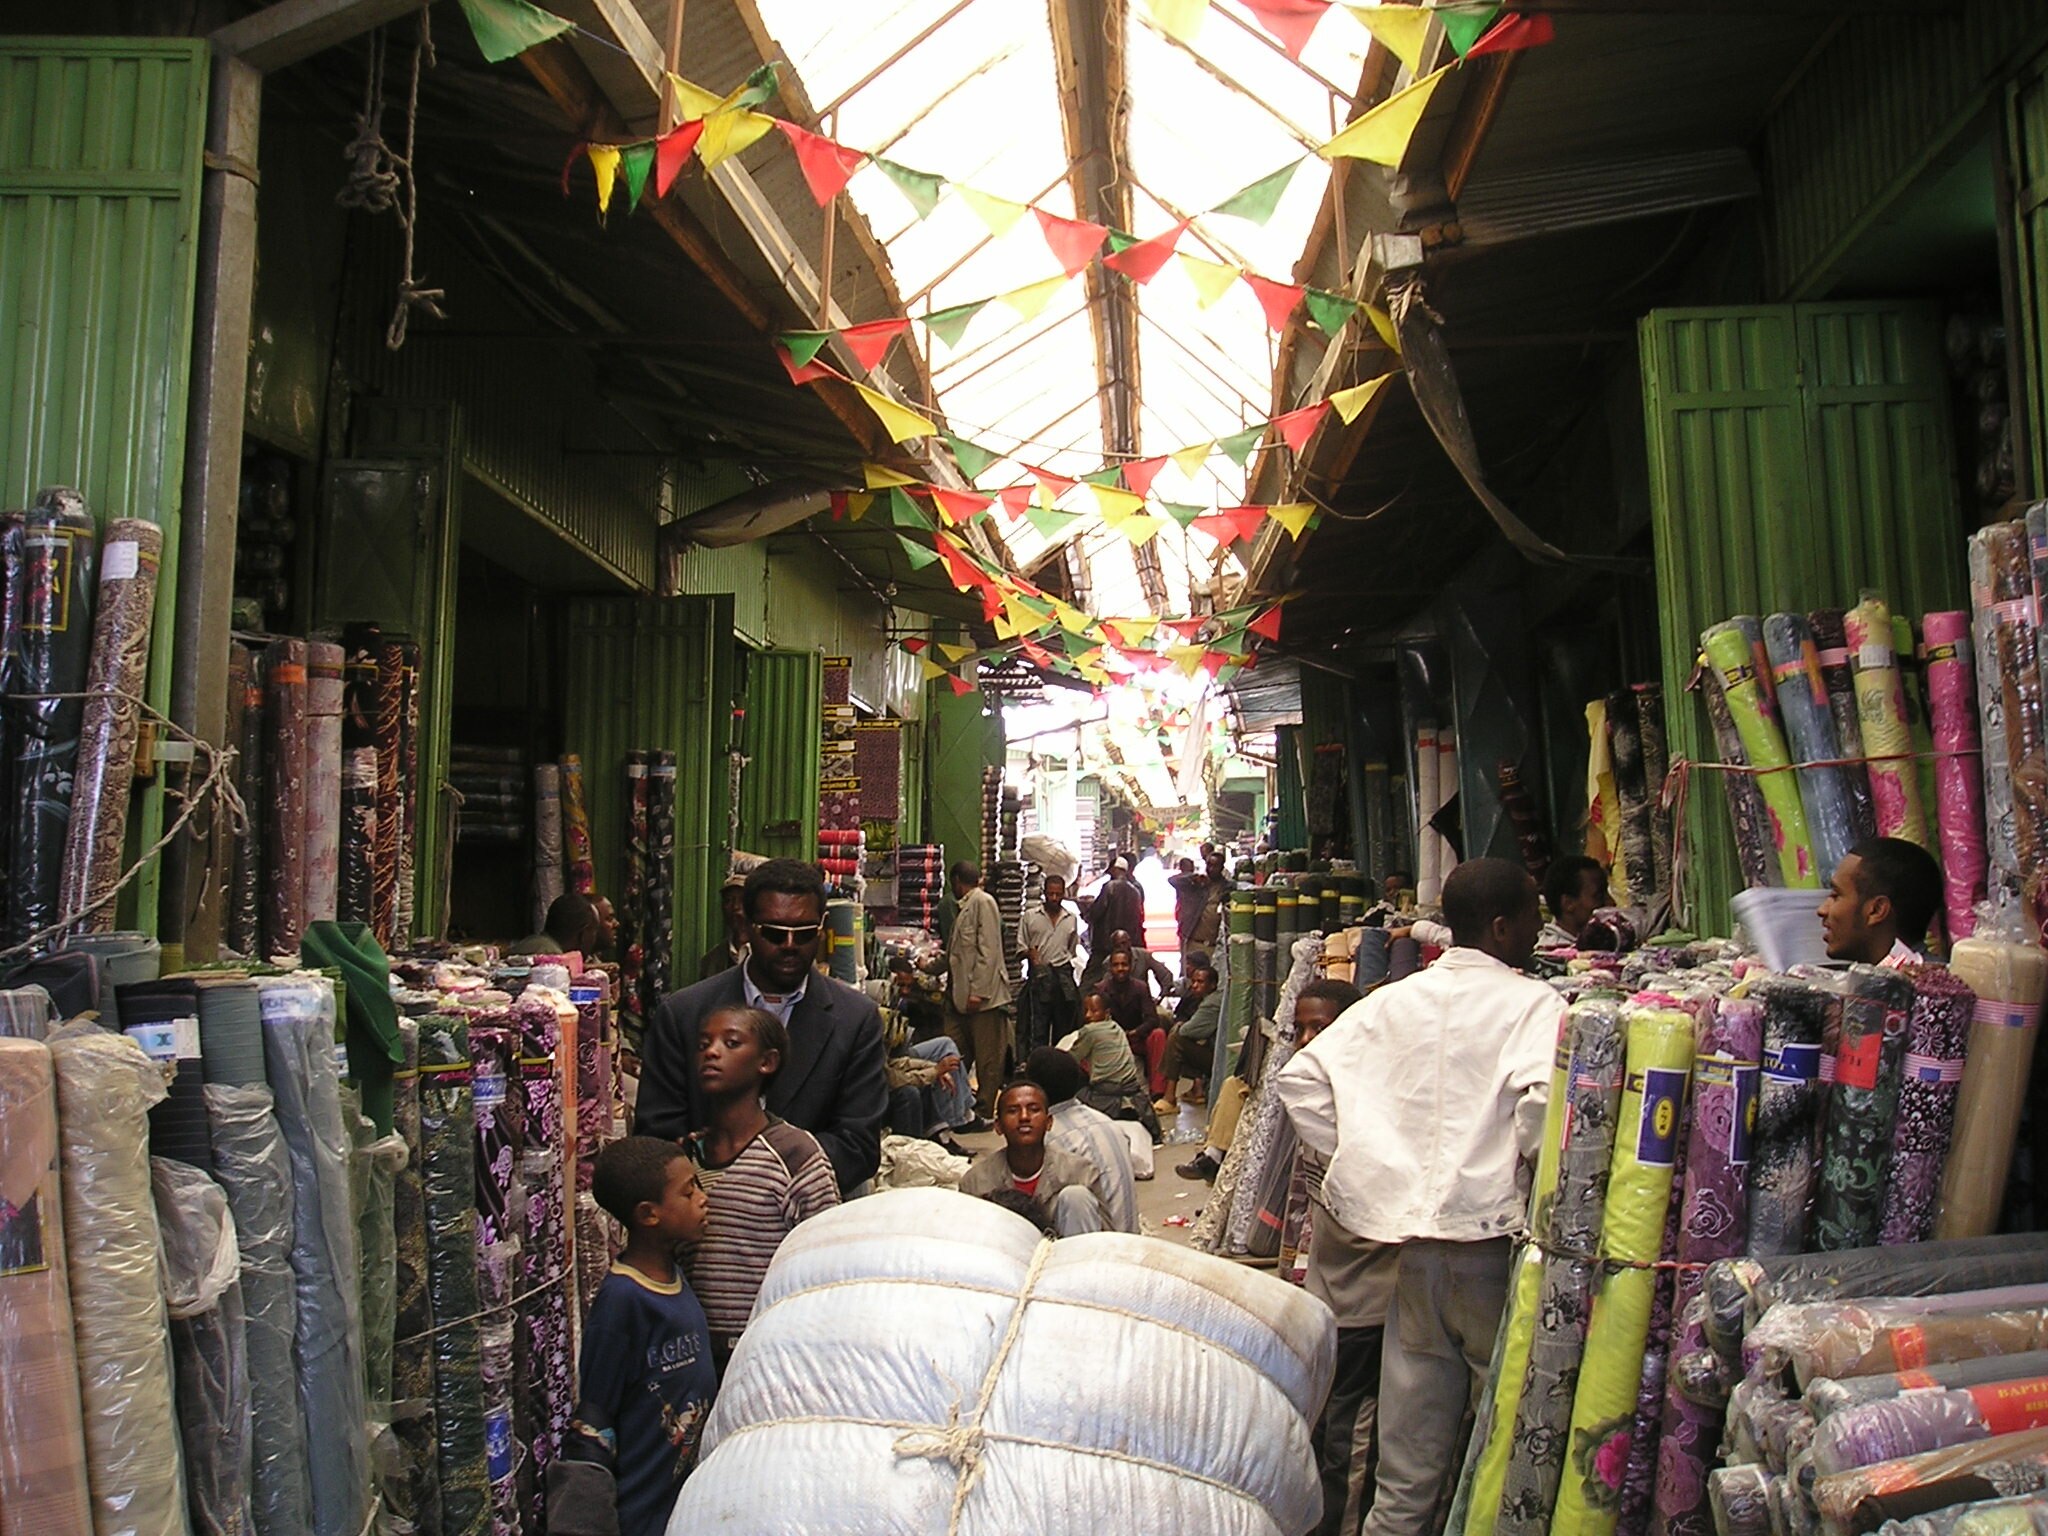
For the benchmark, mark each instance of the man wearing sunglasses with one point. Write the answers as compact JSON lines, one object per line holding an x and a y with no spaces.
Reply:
{"x":834,"y":1081}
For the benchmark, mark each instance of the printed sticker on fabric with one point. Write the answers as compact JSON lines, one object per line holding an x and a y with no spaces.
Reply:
{"x":1663,"y":1093}
{"x":1793,"y":1063}
{"x":2011,"y":1406}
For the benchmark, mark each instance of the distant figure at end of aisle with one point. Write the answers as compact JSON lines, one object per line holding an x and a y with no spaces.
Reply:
{"x":1879,"y":903}
{"x":576,"y":925}
{"x":731,"y":948}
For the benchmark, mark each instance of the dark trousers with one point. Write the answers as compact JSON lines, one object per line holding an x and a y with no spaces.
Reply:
{"x":1188,"y":1058}
{"x":1344,"y":1438}
{"x":1050,"y":1010}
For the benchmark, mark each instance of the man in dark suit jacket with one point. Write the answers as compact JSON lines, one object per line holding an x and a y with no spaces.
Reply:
{"x":835,"y":1081}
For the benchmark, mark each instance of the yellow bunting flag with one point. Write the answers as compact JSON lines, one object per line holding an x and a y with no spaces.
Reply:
{"x":1187,"y":657}
{"x":726,"y":133}
{"x":1384,"y":324}
{"x":1140,"y":528}
{"x":857,"y":504}
{"x":999,"y":214}
{"x":1029,"y":302}
{"x":1193,"y":457}
{"x":1070,"y":618}
{"x":1348,"y":403}
{"x":1116,"y":505}
{"x":1021,"y":618}
{"x":1400,"y":29}
{"x":1178,"y":19}
{"x":1212,"y":279}
{"x":1293,"y":516}
{"x":900,"y":422}
{"x":1381,"y":135}
{"x":955,"y":653}
{"x":693,"y":100}
{"x":1135,"y":632}
{"x":931,"y":668}
{"x":879,"y":477}
{"x":604,"y":163}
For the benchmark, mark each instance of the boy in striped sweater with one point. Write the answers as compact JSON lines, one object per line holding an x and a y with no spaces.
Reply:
{"x":763,"y":1174}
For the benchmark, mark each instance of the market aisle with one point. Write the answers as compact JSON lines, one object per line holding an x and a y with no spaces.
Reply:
{"x":1164,"y":1196}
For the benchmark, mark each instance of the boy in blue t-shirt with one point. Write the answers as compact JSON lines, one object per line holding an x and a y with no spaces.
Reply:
{"x":647,"y":1378}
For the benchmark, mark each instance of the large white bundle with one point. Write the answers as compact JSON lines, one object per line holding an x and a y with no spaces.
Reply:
{"x":921,"y":1363}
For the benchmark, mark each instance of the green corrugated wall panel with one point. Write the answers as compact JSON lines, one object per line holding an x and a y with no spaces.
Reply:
{"x":960,"y":742}
{"x":781,"y":735}
{"x":2026,"y":128}
{"x":911,"y":828}
{"x":739,"y":571}
{"x":100,"y":145}
{"x":1798,"y":454}
{"x":645,"y":672}
{"x":1290,"y":829}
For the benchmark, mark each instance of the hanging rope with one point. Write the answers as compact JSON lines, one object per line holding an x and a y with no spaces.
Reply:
{"x":411,"y":292}
{"x":372,"y":183}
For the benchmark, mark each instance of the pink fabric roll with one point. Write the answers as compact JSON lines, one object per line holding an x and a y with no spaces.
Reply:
{"x":1958,"y":783}
{"x":323,"y":779}
{"x":43,"y":1488}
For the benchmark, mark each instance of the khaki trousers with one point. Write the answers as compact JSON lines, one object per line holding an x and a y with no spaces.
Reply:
{"x":984,"y":1039}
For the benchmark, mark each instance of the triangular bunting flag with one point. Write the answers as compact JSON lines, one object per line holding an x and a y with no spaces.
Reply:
{"x":1016,"y":499}
{"x":1400,"y":29}
{"x":1223,"y":527}
{"x":1072,"y":619}
{"x":1119,"y":241}
{"x":637,"y":161}
{"x":507,"y":28}
{"x":1193,"y":457}
{"x":1214,"y":662}
{"x":1140,"y":473}
{"x":604,"y":164}
{"x":919,"y":556}
{"x":921,"y":188}
{"x":1212,"y":279}
{"x":879,"y":477}
{"x":755,"y":89}
{"x":1000,"y":619}
{"x":903,"y":511}
{"x":728,"y":132}
{"x":991,"y":602}
{"x":1297,"y":427}
{"x":1348,"y":403}
{"x":1276,"y":299}
{"x":1327,"y":311}
{"x":917,"y":643}
{"x":1291,"y":21}
{"x":1113,"y":477}
{"x":1240,"y":446}
{"x":693,"y":101}
{"x":1116,"y":505}
{"x":961,"y":686}
{"x":1029,"y":301}
{"x":1037,"y":653}
{"x":1141,"y":260}
{"x":932,"y":670}
{"x":1257,"y":201}
{"x":1054,"y":485}
{"x":959,"y":507}
{"x":1178,"y":19}
{"x":672,"y":153}
{"x":804,"y":345}
{"x":998,"y":214}
{"x":1021,"y":618}
{"x":900,"y":422}
{"x":1136,"y":631}
{"x":971,"y":457}
{"x":1181,"y":513}
{"x":857,"y":504}
{"x":955,"y":653}
{"x":1140,"y":527}
{"x":1051,"y":525}
{"x":1187,"y":629}
{"x":1073,"y":242}
{"x":1187,"y":657}
{"x":1293,"y":516}
{"x":1267,"y":625}
{"x":1514,"y":34}
{"x":827,"y":166}
{"x":838,"y":500}
{"x":1381,"y":134}
{"x":869,"y":342}
{"x":1383,"y":323}
{"x":1465,"y":27}
{"x":949,"y":325}
{"x":801,"y":373}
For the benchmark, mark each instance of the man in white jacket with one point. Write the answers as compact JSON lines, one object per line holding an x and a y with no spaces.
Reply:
{"x":1427,"y":1098}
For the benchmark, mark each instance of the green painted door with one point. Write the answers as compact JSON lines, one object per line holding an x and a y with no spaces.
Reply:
{"x":780,"y":733}
{"x":960,"y":742}
{"x":1798,"y":455}
{"x":100,"y":162}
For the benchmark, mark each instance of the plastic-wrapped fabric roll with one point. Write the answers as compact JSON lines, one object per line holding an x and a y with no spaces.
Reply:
{"x":106,"y":1087}
{"x":163,"y":1018}
{"x":1656,"y":765}
{"x":1830,"y":638}
{"x":130,"y":552}
{"x":203,"y":1294}
{"x":1913,"y":689}
{"x":1225,"y":1222}
{"x":284,"y":880}
{"x":501,"y":1449}
{"x":1266,"y":916}
{"x":844,"y":964}
{"x":494,"y":1077}
{"x":1881,"y":710}
{"x":118,"y":960}
{"x":1781,"y":1160}
{"x":43,"y":1481}
{"x":1828,"y":1395}
{"x":390,"y":811}
{"x":1863,"y":1499}
{"x":1624,"y":734}
{"x":378,"y":1161}
{"x":577,"y":869}
{"x":1809,"y":724}
{"x":545,"y":1390}
{"x":656,"y":964}
{"x":13,"y":601}
{"x":416,"y":1490}
{"x":408,"y":790}
{"x":356,"y":887}
{"x":1429,"y":874}
{"x":448,"y":1164}
{"x":2022,"y":1515}
{"x":1660,"y":1051}
{"x":1928,"y":1419}
{"x":1958,"y":766}
{"x":1568,"y":1228}
{"x":323,"y":780}
{"x":631,"y":910}
{"x":1741,"y":1500}
{"x":1990,"y":620}
{"x":547,"y":840}
{"x":1807,"y":1340}
{"x":298,"y":1045}
{"x":26,"y":1012}
{"x":2009,"y":980}
{"x":1863,"y":1109}
{"x":593,"y":1113}
{"x":1937,"y":1036}
{"x":251,"y":1162}
{"x":1713,"y":1224}
{"x":230,"y":1031}
{"x":60,"y":570}
{"x":1734,"y":649}
{"x":1747,"y":812}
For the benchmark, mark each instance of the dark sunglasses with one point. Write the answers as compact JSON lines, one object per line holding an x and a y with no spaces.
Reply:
{"x":783,"y":935}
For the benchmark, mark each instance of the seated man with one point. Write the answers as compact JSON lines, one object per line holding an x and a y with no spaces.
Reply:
{"x":1086,"y":1133}
{"x":1574,"y":888}
{"x":576,"y":925}
{"x":1061,"y":1182}
{"x":1104,"y":1052}
{"x":1191,"y":1047}
{"x":1879,"y":904}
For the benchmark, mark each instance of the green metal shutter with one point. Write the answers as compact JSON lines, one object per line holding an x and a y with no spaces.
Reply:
{"x":2026,"y":118}
{"x":780,"y":737}
{"x":1798,"y":454}
{"x":961,"y":742}
{"x":100,"y":162}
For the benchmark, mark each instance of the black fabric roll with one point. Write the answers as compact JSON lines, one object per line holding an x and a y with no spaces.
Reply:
{"x":12,"y":594}
{"x":231,"y":1032}
{"x":448,"y":1177}
{"x":163,"y":1018}
{"x":71,"y":979}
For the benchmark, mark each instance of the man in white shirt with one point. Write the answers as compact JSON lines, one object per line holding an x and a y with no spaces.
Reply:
{"x":1879,"y":903}
{"x":1086,"y":1132}
{"x":1427,"y":1098}
{"x":1049,"y":936}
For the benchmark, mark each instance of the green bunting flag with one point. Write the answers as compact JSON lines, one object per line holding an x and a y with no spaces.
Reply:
{"x":919,"y":555}
{"x":1241,"y":446}
{"x":971,"y":457}
{"x":636,"y":160}
{"x":1111,"y":478}
{"x":1076,"y":646}
{"x":1465,"y":27}
{"x":1119,"y":241}
{"x":804,"y":346}
{"x":1257,"y":201}
{"x":1327,"y":312}
{"x":903,"y":511}
{"x":1180,"y":513}
{"x":1051,"y":524}
{"x":949,"y":325}
{"x":507,"y":28}
{"x":760,"y":85}
{"x":920,"y":187}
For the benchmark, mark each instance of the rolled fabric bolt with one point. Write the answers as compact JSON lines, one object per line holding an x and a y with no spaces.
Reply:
{"x":1831,"y":642}
{"x":1987,"y":621}
{"x":1809,"y":725}
{"x":1863,"y":1106}
{"x":1732,"y":648}
{"x":1927,"y":1420}
{"x":285,"y":840}
{"x":323,"y":779}
{"x":1937,"y":1037}
{"x":1881,"y":709}
{"x":1958,"y":769}
{"x":1828,"y":1395}
{"x":1781,"y":1166}
{"x":1746,"y":809}
{"x":2009,"y":980}
{"x":1864,"y":1498}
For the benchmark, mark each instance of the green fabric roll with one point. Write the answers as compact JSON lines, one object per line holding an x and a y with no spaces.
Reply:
{"x":1733,"y":648}
{"x":374,"y":1049}
{"x":1648,"y":1133}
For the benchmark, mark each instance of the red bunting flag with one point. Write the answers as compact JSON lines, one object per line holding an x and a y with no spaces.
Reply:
{"x":1073,"y":241}
{"x":1232,"y":525}
{"x":1187,"y":629}
{"x":1141,"y":262}
{"x":1016,"y":500}
{"x":801,"y":373}
{"x":915,"y":644}
{"x":991,"y":602}
{"x":827,"y":166}
{"x":1140,"y":473}
{"x":1297,"y":427}
{"x":1267,"y":625}
{"x":1037,"y":653}
{"x":1056,"y":486}
{"x":1276,"y":299}
{"x":1214,"y":661}
{"x":839,"y":506}
{"x":958,"y":507}
{"x":1513,"y":34}
{"x":869,"y":343}
{"x":1291,"y":21}
{"x":672,"y":153}
{"x":960,"y":686}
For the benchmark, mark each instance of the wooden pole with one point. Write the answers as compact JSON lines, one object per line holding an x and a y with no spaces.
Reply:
{"x":831,"y":229}
{"x":672,"y":62}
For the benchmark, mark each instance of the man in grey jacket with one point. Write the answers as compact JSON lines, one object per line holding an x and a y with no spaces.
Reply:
{"x":978,"y":987}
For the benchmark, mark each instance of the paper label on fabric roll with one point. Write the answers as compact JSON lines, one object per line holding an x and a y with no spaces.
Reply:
{"x":1909,"y":1347}
{"x":1793,"y":1063}
{"x":1872,"y":656}
{"x":167,"y":1040}
{"x":1934,"y":1069}
{"x":2011,"y":1406}
{"x":1835,"y":656}
{"x":636,"y":770}
{"x":490,"y":1086}
{"x":47,"y":564}
{"x":22,"y":1238}
{"x":2007,"y":1015}
{"x":1736,"y":676}
{"x":1827,"y":1067}
{"x":1856,"y":1065}
{"x":1908,"y":1380}
{"x":288,"y":673}
{"x":498,"y":1445}
{"x":1742,"y":1126}
{"x":1663,"y":1091}
{"x":341,"y":1059}
{"x":120,"y":560}
{"x":1947,"y":651}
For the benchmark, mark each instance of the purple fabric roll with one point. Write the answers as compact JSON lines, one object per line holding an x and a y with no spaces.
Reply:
{"x":1937,"y":1039}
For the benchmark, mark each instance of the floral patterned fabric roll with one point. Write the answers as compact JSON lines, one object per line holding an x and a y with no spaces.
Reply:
{"x":1937,"y":1040}
{"x":1863,"y":1108}
{"x":1735,"y":650}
